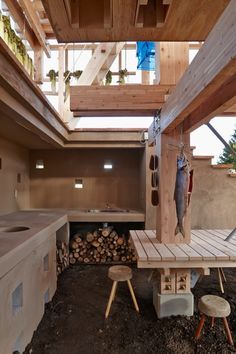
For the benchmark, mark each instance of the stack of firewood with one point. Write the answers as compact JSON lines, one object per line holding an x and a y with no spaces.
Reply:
{"x":100,"y":246}
{"x":62,"y":256}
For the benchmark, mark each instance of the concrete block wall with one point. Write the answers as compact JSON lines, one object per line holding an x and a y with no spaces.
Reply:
{"x":24,"y":290}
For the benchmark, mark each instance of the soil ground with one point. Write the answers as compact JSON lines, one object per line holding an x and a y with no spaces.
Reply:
{"x":74,"y":321}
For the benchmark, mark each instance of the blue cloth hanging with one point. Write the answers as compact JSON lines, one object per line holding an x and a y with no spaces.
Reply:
{"x":146,"y":56}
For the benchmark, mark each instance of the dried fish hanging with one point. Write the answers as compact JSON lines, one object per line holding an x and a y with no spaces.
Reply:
{"x":183,"y":186}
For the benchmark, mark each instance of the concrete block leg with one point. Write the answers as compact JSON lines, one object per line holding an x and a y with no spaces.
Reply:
{"x":173,"y":304}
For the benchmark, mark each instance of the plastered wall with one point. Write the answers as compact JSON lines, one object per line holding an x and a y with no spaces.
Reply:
{"x":53,"y":187}
{"x":214,"y":197}
{"x":14,"y":177}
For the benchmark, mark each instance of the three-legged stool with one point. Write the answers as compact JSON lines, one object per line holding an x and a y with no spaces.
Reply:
{"x":120,"y":273}
{"x":214,"y":307}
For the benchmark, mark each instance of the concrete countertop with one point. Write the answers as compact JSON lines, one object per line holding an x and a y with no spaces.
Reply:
{"x":105,"y":216}
{"x":14,"y":246}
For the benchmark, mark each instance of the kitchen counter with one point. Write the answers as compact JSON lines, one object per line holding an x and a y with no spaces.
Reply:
{"x":40,"y":224}
{"x":97,"y":215}
{"x":14,"y":246}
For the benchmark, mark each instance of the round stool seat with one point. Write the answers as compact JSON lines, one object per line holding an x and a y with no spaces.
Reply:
{"x":120,"y":273}
{"x":214,"y":306}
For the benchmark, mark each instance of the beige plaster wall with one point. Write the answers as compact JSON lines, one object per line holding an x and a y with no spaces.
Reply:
{"x":214,"y":197}
{"x":14,"y":195}
{"x":53,"y":187}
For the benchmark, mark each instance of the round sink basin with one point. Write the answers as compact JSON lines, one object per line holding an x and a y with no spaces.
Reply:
{"x":16,"y":229}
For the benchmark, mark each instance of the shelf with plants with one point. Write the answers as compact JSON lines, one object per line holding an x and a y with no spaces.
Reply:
{"x":15,"y":43}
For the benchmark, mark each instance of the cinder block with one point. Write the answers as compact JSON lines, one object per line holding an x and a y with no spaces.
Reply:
{"x":173,"y":304}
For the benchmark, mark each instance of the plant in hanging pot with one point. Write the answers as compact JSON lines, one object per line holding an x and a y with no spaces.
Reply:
{"x":6,"y":28}
{"x":67,"y":77}
{"x":108,"y":78}
{"x":123,"y":73}
{"x":52,"y":74}
{"x":76,"y":74}
{"x":1,"y":26}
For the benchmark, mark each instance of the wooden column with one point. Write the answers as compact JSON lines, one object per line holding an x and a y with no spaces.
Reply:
{"x":145,"y":77}
{"x":167,"y":150}
{"x":173,"y":62}
{"x":174,"y":59}
{"x":61,"y":67}
{"x":38,"y":65}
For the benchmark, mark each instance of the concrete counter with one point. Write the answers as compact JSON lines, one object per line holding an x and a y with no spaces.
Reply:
{"x":15,"y":246}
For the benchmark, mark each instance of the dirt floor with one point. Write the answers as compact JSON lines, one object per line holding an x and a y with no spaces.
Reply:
{"x":74,"y":321}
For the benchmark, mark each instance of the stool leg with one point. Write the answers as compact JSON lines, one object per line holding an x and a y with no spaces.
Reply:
{"x":114,"y":293}
{"x":199,"y":328}
{"x":133,"y":296}
{"x":220,"y":281}
{"x":227,"y":331}
{"x":223,"y":275}
{"x":111,"y":298}
{"x":212,"y":322}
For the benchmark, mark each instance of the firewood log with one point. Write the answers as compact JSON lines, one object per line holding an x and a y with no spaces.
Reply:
{"x":86,"y":260}
{"x":106,"y":231}
{"x":89,"y":237}
{"x":95,"y":243}
{"x":123,"y":259}
{"x":76,"y":255}
{"x":113,"y":234}
{"x":72,"y":260}
{"x":100,"y":239}
{"x":73,"y":244}
{"x":120,"y":241}
{"x":116,"y":258}
{"x":77,"y":238}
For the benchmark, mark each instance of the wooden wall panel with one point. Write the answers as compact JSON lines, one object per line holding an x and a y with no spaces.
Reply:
{"x":53,"y":187}
{"x":14,"y":190}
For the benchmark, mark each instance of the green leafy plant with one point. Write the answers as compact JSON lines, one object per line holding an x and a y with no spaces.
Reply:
{"x":123,"y":73}
{"x":52,"y":74}
{"x":76,"y":74}
{"x":67,"y":77}
{"x":227,"y":157}
{"x":108,"y":77}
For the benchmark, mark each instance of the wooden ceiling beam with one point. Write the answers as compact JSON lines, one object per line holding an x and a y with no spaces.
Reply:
{"x":18,"y":16}
{"x":108,"y":13}
{"x":35,"y":24}
{"x":134,"y":99}
{"x":212,"y":69}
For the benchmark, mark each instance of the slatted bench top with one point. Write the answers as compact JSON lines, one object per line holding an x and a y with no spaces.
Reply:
{"x":207,"y":249}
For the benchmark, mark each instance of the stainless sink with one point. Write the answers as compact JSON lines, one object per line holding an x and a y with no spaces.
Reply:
{"x":108,"y":210}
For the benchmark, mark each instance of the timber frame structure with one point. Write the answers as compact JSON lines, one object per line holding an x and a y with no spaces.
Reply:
{"x":182,"y":97}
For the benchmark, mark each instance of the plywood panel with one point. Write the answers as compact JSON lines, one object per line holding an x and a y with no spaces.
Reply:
{"x":14,"y":195}
{"x":54,"y":186}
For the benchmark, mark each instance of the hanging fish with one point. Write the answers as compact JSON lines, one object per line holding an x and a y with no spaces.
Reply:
{"x":183,"y":189}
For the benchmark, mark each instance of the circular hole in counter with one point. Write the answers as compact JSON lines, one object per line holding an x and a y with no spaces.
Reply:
{"x":16,"y":229}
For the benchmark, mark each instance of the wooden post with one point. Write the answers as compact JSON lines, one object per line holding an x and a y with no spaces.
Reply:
{"x":145,"y":77}
{"x":173,"y":62}
{"x":167,"y":150}
{"x":61,"y":67}
{"x":38,"y":65}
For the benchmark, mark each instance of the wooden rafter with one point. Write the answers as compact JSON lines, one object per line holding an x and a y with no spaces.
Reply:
{"x":35,"y":24}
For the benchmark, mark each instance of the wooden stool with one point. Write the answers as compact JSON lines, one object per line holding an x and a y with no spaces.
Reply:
{"x":214,"y":307}
{"x":120,"y":273}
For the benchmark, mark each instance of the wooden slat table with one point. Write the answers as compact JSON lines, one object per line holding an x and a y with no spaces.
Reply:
{"x":206,"y":250}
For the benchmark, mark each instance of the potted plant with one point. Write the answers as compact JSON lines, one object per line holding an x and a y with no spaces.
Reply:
{"x":76,"y":74}
{"x":1,"y":26}
{"x":52,"y":74}
{"x":6,"y":28}
{"x":108,"y":78}
{"x":123,"y":73}
{"x":67,"y":77}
